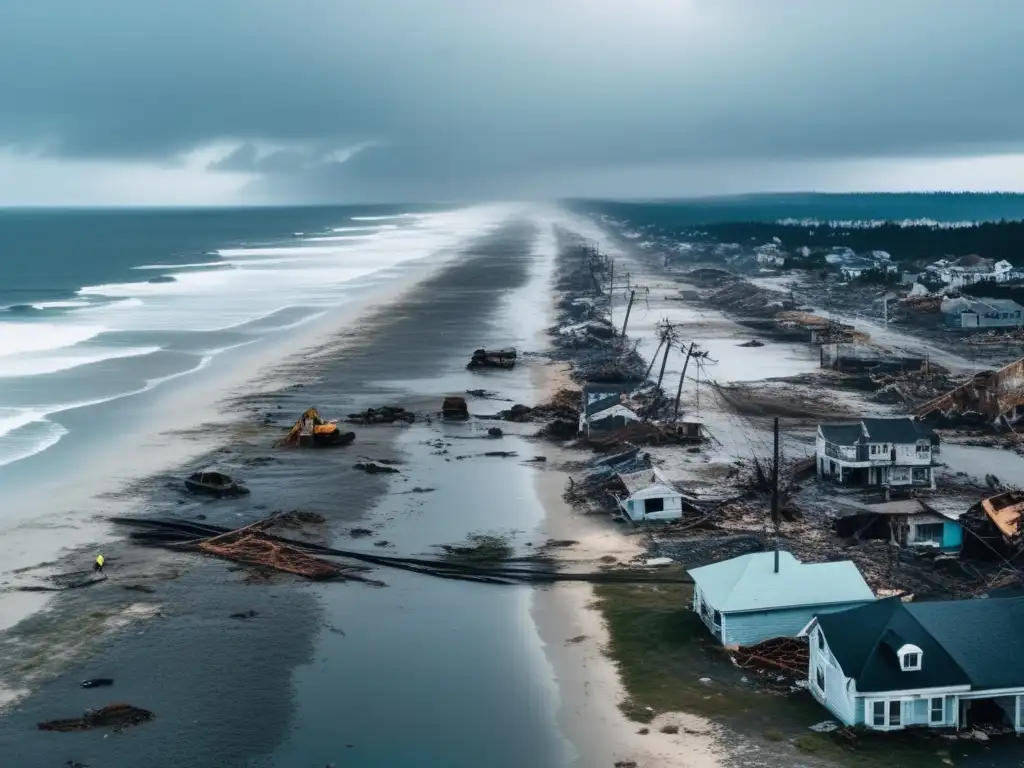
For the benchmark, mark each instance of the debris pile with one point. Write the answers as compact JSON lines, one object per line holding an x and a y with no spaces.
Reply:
{"x":493,"y":358}
{"x":116,"y":716}
{"x":742,"y":296}
{"x":388,"y":414}
{"x":455,"y":408}
{"x":251,"y":545}
{"x":215,"y":484}
{"x":788,"y":654}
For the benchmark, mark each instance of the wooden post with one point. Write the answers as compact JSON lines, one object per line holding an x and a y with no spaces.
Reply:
{"x":682,"y":378}
{"x":775,"y":494}
{"x":629,"y":307}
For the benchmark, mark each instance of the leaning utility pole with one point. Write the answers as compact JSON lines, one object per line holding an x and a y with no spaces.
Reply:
{"x":682,"y":377}
{"x":629,"y":307}
{"x":775,"y":494}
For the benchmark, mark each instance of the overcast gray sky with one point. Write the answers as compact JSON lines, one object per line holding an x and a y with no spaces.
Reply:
{"x":115,"y":101}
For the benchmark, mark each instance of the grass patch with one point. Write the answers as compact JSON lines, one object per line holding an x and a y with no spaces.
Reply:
{"x":662,"y":650}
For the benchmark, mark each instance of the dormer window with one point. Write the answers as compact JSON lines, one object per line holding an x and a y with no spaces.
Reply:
{"x":910,"y":658}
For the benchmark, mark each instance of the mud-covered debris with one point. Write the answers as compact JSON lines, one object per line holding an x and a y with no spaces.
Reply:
{"x":418,"y":489}
{"x":480,"y":548}
{"x":495,"y":432}
{"x":116,"y":716}
{"x":493,"y":358}
{"x":250,"y":614}
{"x":382,"y":543}
{"x":387,"y":414}
{"x":373,"y":468}
{"x":455,"y":408}
{"x":501,"y":454}
{"x":358,"y":533}
{"x":538,"y":459}
{"x":752,"y":343}
{"x":97,"y":682}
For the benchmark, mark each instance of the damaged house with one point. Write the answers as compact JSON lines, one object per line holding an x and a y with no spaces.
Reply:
{"x":908,"y":523}
{"x":889,"y":665}
{"x":748,"y":599}
{"x":993,"y":525}
{"x":651,"y":497}
{"x":875,"y":452}
{"x":602,"y":409}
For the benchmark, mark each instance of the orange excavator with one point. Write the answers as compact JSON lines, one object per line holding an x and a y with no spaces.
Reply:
{"x":312,"y":431}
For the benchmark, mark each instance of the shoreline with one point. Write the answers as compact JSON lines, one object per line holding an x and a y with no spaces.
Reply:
{"x":101,"y":484}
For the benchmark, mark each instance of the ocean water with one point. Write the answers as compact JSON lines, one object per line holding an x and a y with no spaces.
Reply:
{"x":96,"y":306}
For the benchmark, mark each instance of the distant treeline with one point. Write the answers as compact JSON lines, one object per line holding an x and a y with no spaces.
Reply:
{"x":906,"y":244}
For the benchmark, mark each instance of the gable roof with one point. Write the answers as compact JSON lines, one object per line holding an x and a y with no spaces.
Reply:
{"x":985,"y":637}
{"x":749,"y":583}
{"x":647,"y":483}
{"x":901,"y":430}
{"x":841,"y":434}
{"x":864,"y":641}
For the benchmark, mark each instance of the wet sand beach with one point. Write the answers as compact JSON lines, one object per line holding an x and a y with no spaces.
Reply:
{"x":421,"y":672}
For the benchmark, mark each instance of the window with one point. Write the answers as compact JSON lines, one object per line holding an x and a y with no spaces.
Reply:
{"x":654,"y":505}
{"x":821,"y":640}
{"x":894,"y":713}
{"x":874,"y":449}
{"x":938,"y":711}
{"x":932,"y":532}
{"x":911,"y":661}
{"x":878,"y":714}
{"x":819,"y":679}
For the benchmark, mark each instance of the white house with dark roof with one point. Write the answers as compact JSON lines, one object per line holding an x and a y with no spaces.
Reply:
{"x":875,"y":452}
{"x":745,"y":600}
{"x":945,"y":664}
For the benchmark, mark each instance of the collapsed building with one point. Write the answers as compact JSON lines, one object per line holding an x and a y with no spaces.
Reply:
{"x":994,"y":395}
{"x":994,"y":529}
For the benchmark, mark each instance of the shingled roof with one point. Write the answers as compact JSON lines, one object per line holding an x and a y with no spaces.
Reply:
{"x":963,"y":642}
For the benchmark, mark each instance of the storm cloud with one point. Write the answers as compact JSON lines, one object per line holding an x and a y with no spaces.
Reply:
{"x":392,"y":99}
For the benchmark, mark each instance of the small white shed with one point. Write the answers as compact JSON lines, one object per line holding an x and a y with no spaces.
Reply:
{"x":651,"y":497}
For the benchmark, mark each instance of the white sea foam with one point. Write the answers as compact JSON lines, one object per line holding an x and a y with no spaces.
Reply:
{"x":36,"y":363}
{"x":17,"y":338}
{"x":367,"y":228}
{"x":70,"y":304}
{"x":386,"y":218}
{"x":252,"y":284}
{"x":171,"y":267}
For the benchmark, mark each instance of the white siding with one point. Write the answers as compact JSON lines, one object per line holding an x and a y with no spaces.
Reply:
{"x":837,"y":697}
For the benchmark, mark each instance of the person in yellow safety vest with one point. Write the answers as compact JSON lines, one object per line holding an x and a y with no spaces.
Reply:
{"x":98,"y":565}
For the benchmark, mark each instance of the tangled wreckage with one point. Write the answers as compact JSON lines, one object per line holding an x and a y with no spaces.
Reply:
{"x":994,"y":395}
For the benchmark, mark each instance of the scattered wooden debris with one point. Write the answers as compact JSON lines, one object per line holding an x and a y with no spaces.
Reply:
{"x":789,"y":654}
